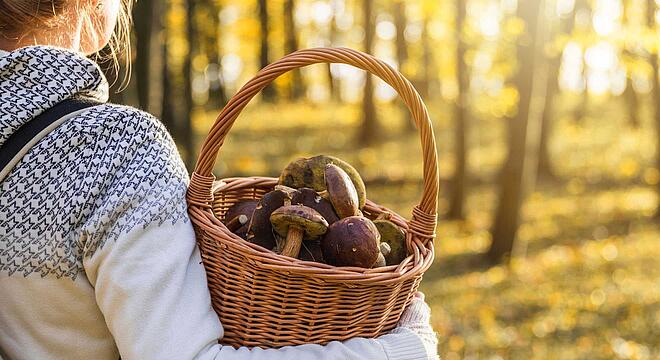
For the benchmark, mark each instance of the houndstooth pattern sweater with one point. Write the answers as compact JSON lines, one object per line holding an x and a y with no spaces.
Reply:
{"x":97,"y":253}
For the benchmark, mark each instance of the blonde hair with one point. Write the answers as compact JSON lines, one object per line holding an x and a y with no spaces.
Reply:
{"x":19,"y":17}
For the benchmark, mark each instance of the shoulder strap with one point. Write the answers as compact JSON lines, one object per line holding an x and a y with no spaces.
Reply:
{"x":20,"y":142}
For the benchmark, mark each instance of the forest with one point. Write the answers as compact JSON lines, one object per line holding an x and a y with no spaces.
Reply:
{"x":547,"y":118}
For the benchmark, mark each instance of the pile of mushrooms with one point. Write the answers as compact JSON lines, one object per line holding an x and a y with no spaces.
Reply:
{"x":315,"y":214}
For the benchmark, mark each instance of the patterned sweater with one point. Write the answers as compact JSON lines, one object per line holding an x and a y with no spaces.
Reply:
{"x":97,"y":253}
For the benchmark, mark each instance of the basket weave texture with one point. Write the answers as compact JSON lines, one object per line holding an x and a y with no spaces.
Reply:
{"x":268,"y":300}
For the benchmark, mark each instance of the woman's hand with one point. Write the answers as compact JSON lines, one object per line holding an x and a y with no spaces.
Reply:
{"x":417,"y":318}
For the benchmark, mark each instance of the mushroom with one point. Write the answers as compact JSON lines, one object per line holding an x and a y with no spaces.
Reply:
{"x":310,"y":173}
{"x":392,"y":235}
{"x":341,"y":191}
{"x":297,"y":222}
{"x":237,"y":222}
{"x":380,"y":261}
{"x":260,"y":230}
{"x":384,"y":250}
{"x":311,"y":251}
{"x":238,"y":216}
{"x":310,"y":198}
{"x":351,"y":241}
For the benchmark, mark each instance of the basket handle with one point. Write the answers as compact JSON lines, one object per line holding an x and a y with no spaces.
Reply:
{"x":424,"y":217}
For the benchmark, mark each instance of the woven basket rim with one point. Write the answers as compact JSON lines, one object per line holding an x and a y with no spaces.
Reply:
{"x":271,"y":260}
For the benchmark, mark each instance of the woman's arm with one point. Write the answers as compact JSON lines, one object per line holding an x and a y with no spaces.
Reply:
{"x":142,"y":260}
{"x":151,"y":288}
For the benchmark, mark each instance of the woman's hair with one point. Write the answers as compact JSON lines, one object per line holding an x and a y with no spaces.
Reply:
{"x":19,"y":17}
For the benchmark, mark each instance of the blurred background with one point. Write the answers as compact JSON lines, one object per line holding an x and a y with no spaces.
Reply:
{"x":547,"y":118}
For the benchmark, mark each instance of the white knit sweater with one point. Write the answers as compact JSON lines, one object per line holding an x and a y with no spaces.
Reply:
{"x":97,"y":253}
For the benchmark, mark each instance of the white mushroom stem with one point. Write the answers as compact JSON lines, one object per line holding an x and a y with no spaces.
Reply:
{"x":384,"y":216}
{"x":237,"y":222}
{"x":293,"y":241}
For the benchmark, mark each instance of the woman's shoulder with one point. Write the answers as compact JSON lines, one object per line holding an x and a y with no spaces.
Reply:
{"x":126,"y":135}
{"x":121,"y":119}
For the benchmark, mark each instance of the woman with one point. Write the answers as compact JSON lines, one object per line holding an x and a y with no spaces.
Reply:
{"x":97,"y":253}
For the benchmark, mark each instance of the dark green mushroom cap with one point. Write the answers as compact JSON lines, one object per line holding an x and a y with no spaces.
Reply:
{"x":341,"y":191}
{"x":310,"y":173}
{"x":303,"y":217}
{"x":391,"y":234}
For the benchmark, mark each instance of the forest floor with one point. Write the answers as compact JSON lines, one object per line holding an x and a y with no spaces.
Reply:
{"x":583,"y":281}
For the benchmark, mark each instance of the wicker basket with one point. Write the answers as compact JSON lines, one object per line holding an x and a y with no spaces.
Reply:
{"x":269,"y":300}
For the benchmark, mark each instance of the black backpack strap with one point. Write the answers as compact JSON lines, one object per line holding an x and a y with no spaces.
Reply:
{"x":18,"y":144}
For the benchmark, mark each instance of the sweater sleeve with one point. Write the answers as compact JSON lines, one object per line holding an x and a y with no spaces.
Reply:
{"x":141,"y":257}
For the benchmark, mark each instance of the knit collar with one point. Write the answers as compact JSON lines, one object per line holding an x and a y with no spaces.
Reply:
{"x":33,"y":79}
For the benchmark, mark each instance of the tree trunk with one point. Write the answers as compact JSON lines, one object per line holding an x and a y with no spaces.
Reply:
{"x":217,"y":94}
{"x":333,"y":83}
{"x":187,"y":136}
{"x":297,"y":88}
{"x":457,"y":197}
{"x":268,"y":92}
{"x":631,"y":103}
{"x":167,"y":110}
{"x":583,"y":8}
{"x":370,"y":131}
{"x":655,"y":92}
{"x":507,"y":216}
{"x":545,"y":171}
{"x":400,"y":22}
{"x":146,"y":22}
{"x":425,"y":83}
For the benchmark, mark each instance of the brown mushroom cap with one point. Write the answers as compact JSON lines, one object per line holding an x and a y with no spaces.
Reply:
{"x":243,"y":207}
{"x":341,"y":191}
{"x":260,"y":230}
{"x":310,"y":173}
{"x":391,"y":234}
{"x":352,"y":241}
{"x":303,"y":217}
{"x":310,"y":198}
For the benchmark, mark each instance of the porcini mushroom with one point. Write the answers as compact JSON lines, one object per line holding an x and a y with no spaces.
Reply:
{"x":351,"y":241}
{"x":341,"y":191}
{"x":310,"y":173}
{"x":380,"y":261}
{"x":391,"y":234}
{"x":384,"y":250}
{"x":310,"y":198}
{"x":311,"y":251}
{"x":297,"y":222}
{"x":238,"y":216}
{"x":260,"y":230}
